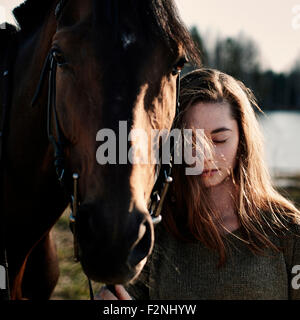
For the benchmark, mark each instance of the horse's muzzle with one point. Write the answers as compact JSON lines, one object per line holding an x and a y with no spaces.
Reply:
{"x":113,"y":248}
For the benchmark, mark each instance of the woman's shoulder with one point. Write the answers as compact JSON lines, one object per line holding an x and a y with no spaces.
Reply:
{"x":294,"y":229}
{"x":290,"y":242}
{"x":292,"y":226}
{"x":286,"y":224}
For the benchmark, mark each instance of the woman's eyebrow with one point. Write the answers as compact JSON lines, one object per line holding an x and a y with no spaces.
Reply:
{"x":220,"y":130}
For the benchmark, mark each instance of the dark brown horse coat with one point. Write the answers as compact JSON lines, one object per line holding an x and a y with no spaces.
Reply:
{"x":115,"y":61}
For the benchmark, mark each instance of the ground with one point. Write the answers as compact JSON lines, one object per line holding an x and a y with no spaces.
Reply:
{"x":72,"y":284}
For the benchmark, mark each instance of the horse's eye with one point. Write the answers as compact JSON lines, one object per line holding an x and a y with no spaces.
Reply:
{"x":59,"y":57}
{"x":179,"y":65}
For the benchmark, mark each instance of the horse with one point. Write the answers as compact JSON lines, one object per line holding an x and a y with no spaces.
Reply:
{"x":111,"y":61}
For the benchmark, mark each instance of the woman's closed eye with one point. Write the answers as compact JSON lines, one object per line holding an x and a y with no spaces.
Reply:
{"x":220,"y":141}
{"x":220,"y":135}
{"x":220,"y":138}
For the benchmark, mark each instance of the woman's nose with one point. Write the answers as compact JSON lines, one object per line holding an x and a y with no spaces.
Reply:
{"x":208,"y":150}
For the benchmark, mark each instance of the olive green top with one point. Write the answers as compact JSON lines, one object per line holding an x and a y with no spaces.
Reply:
{"x":177,"y":270}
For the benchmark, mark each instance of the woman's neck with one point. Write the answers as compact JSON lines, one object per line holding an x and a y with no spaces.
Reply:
{"x":223,"y":199}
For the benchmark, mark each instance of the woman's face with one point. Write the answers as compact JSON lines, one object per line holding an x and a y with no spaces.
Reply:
{"x":223,"y":133}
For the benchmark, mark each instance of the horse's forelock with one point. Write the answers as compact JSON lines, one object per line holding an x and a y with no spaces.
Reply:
{"x":153,"y":18}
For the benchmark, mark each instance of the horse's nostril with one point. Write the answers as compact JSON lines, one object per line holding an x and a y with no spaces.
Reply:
{"x":142,"y":246}
{"x":141,"y":233}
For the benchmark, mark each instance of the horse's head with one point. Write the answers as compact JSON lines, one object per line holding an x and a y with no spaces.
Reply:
{"x":114,"y":63}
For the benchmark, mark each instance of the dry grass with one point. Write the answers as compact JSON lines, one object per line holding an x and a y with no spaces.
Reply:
{"x":72,"y":284}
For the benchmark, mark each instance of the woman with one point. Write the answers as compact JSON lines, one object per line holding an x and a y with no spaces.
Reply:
{"x":226,"y":234}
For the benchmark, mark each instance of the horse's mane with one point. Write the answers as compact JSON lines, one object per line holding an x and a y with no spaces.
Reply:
{"x":31,"y":13}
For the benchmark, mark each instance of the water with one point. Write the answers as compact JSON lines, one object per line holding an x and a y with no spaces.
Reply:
{"x":281,"y":130}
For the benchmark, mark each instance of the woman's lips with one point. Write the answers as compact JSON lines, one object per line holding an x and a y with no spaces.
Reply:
{"x":209,"y":173}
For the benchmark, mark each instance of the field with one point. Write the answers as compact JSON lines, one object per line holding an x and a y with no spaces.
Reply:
{"x":73,"y":284}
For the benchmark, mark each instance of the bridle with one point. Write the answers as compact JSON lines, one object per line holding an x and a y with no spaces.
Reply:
{"x":163,"y":180}
{"x":56,"y":138}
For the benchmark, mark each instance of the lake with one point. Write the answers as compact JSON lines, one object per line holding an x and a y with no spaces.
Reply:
{"x":281,"y":130}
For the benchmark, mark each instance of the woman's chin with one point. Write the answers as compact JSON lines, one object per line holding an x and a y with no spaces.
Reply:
{"x":212,"y":181}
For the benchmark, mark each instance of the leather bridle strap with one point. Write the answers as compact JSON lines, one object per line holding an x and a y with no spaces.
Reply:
{"x":164,"y":178}
{"x":56,"y":139}
{"x":57,"y":144}
{"x":50,"y":67}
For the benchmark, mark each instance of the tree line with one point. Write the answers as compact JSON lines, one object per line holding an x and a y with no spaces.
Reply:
{"x":240,"y":58}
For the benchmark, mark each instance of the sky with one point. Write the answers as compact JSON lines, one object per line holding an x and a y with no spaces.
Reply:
{"x":273,"y":24}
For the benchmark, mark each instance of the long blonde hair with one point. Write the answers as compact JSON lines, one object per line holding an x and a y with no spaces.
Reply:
{"x":261,"y":208}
